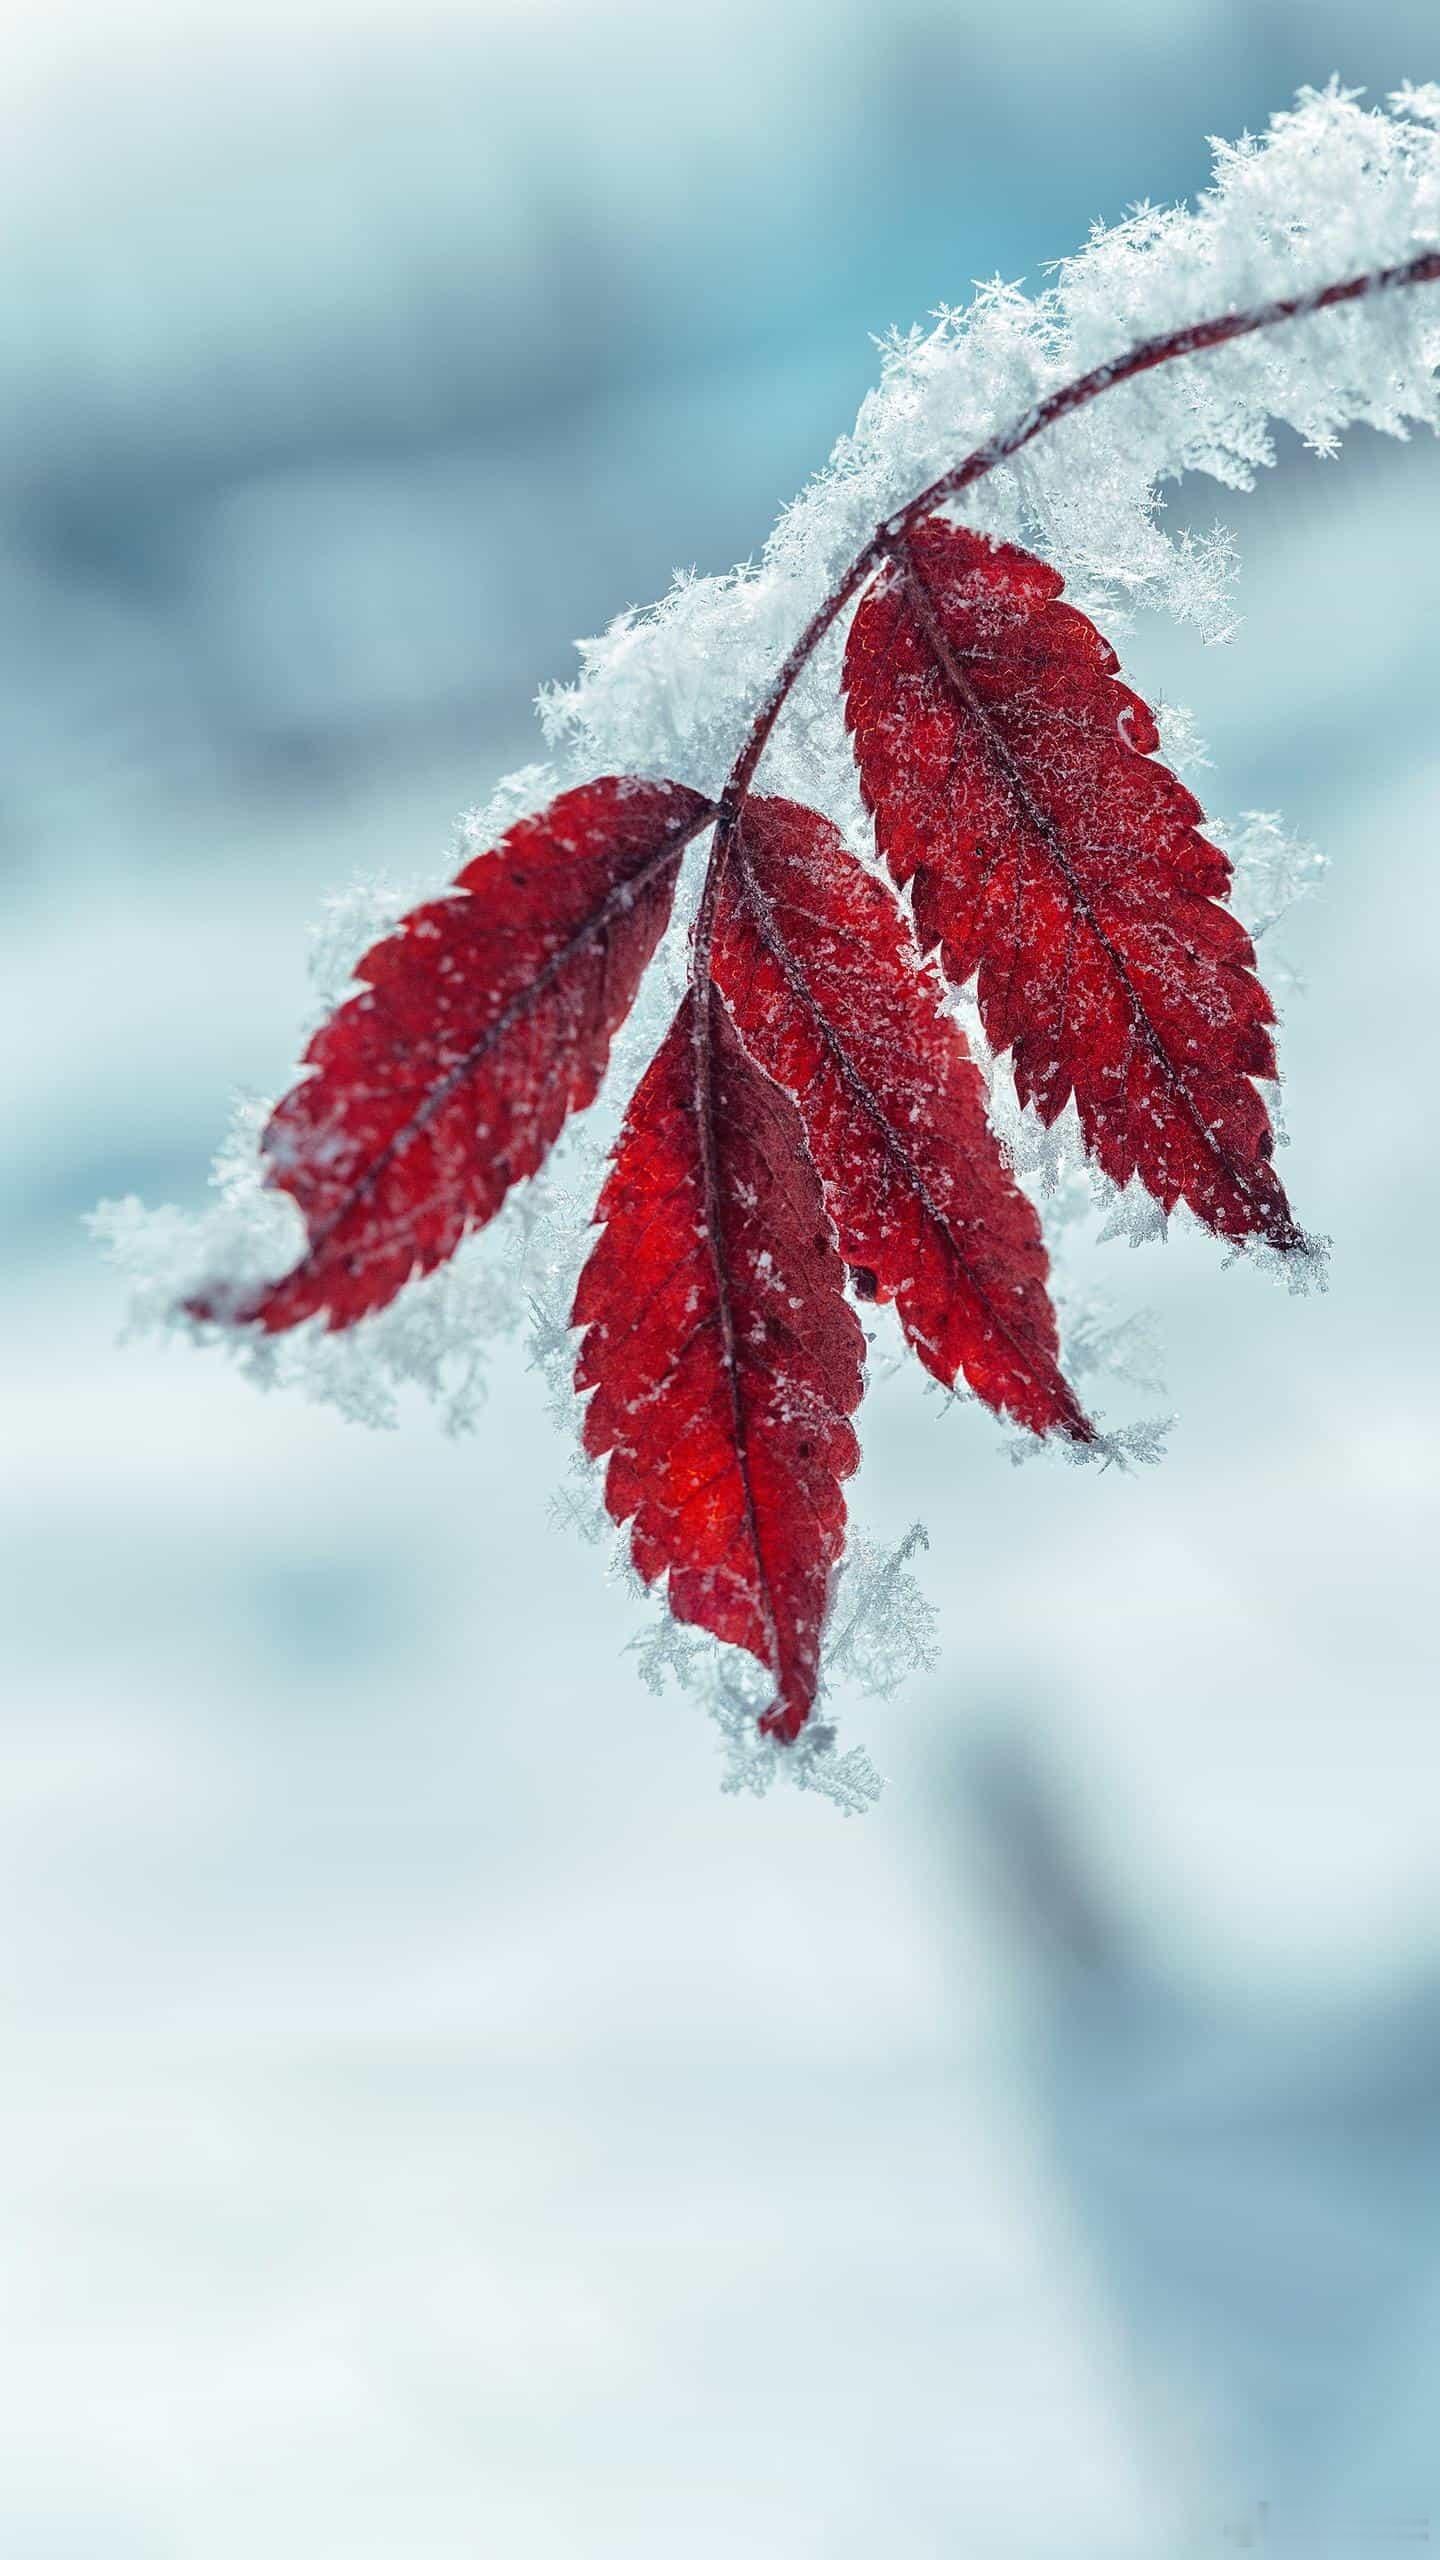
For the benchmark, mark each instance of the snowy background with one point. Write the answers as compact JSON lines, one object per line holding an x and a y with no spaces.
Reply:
{"x":435,"y":2120}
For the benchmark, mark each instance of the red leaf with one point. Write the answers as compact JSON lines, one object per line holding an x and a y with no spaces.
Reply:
{"x":486,"y":1019}
{"x":826,"y":989}
{"x":722,"y":1354}
{"x":1013,"y":782}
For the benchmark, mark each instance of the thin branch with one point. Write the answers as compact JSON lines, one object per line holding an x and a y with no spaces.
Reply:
{"x":1194,"y":339}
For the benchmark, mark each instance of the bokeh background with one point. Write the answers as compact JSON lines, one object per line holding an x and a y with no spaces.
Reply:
{"x":434,"y":2120}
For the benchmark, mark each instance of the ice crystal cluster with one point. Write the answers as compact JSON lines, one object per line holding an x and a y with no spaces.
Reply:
{"x":1333,"y":189}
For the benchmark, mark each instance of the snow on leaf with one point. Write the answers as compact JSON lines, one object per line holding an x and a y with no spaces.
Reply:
{"x":1015,"y":791}
{"x":817,"y":966}
{"x":482,"y":1023}
{"x":723,"y":1358}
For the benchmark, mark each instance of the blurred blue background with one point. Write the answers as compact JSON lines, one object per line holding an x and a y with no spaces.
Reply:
{"x":434,"y":2120}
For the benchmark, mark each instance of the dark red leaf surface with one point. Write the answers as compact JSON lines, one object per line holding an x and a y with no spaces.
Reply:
{"x":723,"y":1357}
{"x":1013,"y":784}
{"x":484,"y":1020}
{"x":821,"y":974}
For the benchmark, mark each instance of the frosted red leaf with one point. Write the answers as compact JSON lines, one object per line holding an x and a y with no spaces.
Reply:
{"x":483,"y":1021}
{"x":723,"y":1357}
{"x":1051,"y":857}
{"x":820,"y":971}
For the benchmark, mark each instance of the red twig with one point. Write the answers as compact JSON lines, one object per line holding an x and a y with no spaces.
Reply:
{"x":1194,"y":339}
